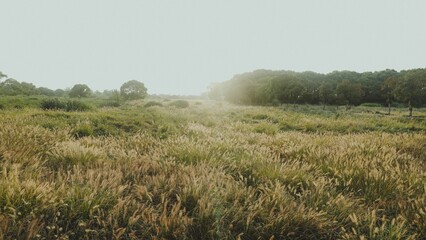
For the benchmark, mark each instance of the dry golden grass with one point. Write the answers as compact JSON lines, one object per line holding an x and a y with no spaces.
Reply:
{"x":212,"y":171}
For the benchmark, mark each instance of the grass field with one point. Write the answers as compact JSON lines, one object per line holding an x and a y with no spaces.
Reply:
{"x":212,"y":171}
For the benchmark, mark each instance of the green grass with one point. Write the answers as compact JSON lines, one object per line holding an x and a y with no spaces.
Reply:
{"x":212,"y":171}
{"x":19,"y":102}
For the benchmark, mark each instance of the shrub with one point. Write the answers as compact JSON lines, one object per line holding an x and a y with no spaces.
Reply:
{"x":180,"y":104}
{"x":52,"y":104}
{"x":153,"y":103}
{"x":74,"y":105}
{"x":69,"y":106}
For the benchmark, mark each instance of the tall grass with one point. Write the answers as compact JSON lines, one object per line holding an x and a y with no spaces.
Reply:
{"x":211,"y":171}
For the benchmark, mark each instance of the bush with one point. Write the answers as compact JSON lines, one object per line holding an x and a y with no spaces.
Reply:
{"x":153,"y":103}
{"x":74,"y":105}
{"x":180,"y":104}
{"x":69,"y":106}
{"x":53,"y":104}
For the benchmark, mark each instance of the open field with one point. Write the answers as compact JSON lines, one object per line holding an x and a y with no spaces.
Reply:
{"x":212,"y":171}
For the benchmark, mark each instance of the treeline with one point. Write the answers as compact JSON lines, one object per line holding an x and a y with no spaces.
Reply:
{"x":130,"y":90}
{"x":267,"y":87}
{"x":12,"y":87}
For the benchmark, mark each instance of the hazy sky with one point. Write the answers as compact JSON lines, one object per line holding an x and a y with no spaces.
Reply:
{"x":181,"y":46}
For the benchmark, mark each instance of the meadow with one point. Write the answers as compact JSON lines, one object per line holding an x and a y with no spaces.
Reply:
{"x":158,"y":169}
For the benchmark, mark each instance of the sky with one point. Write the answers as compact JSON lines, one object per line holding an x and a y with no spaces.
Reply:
{"x":183,"y":46}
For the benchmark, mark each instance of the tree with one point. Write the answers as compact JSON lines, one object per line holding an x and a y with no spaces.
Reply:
{"x":326,"y":93}
{"x":215,"y":91}
{"x":2,"y":75}
{"x":288,"y":88}
{"x":28,"y":89}
{"x":133,"y":89}
{"x":294,"y":90}
{"x":80,"y":90}
{"x":351,"y":93}
{"x":388,"y":90}
{"x":45,"y":91}
{"x":113,"y":95}
{"x":60,"y":92}
{"x":11,"y":87}
{"x":267,"y":87}
{"x":411,"y":89}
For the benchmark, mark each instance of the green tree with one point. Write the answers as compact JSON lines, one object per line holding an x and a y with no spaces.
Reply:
{"x":79,"y":91}
{"x":288,"y":88}
{"x":349,"y":92}
{"x":60,"y":92}
{"x":2,"y":75}
{"x":411,"y":88}
{"x":11,"y":87}
{"x":265,"y":87}
{"x":312,"y":82}
{"x":215,"y":91}
{"x":133,"y":89}
{"x":388,"y":91}
{"x":294,"y":91}
{"x":326,"y":93}
{"x":115,"y":96}
{"x":45,"y":91}
{"x":28,"y":89}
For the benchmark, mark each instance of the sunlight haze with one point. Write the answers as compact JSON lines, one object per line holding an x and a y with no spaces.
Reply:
{"x":181,"y":47}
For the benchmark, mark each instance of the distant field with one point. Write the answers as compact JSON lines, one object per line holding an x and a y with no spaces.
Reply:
{"x":158,"y":169}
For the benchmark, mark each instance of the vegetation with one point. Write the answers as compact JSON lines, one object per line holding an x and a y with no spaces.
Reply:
{"x":133,"y":90}
{"x":69,"y":105}
{"x":103,"y":167}
{"x":79,"y":91}
{"x":180,"y":103}
{"x":411,"y":89}
{"x":153,"y":103}
{"x":265,"y":87}
{"x":212,"y":171}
